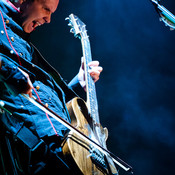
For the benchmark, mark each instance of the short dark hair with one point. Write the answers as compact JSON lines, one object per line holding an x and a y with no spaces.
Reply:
{"x":13,"y":1}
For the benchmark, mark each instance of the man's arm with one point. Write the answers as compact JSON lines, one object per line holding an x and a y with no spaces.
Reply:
{"x":15,"y":79}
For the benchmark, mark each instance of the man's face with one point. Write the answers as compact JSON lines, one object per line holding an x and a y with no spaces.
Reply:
{"x":36,"y":12}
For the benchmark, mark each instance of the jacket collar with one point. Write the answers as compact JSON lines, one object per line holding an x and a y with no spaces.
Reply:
{"x":13,"y":15}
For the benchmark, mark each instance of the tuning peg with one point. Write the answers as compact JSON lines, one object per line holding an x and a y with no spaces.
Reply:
{"x":72,"y":30}
{"x":67,"y":18}
{"x":75,"y":36}
{"x":70,"y":24}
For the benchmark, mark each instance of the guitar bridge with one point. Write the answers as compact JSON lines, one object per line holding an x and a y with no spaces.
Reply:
{"x":98,"y":159}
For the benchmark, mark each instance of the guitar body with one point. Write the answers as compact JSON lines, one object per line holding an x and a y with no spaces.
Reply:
{"x":79,"y":154}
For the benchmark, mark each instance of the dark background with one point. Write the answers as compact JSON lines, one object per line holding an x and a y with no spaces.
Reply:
{"x":136,"y":92}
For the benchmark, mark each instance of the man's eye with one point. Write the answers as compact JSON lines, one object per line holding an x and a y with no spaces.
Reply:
{"x":47,"y":9}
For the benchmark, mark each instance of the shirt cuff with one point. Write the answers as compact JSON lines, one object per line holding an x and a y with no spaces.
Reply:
{"x":76,"y":86}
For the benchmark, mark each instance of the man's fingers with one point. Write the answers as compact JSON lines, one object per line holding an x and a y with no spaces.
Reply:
{"x":95,"y":69}
{"x":95,"y":74}
{"x":93,"y":63}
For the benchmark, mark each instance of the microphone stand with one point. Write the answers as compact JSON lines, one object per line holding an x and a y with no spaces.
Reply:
{"x":165,"y":15}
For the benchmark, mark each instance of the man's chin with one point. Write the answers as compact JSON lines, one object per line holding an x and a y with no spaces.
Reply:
{"x":28,"y":29}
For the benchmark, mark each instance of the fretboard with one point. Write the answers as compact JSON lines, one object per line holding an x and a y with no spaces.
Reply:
{"x":90,"y":85}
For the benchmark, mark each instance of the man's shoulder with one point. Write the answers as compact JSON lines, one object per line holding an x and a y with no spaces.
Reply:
{"x":4,"y":6}
{"x":3,"y":3}
{"x":7,"y":5}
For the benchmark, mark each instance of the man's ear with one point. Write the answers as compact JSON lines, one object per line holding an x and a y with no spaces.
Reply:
{"x":21,"y":1}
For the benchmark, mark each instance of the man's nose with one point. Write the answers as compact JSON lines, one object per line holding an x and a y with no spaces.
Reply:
{"x":47,"y":19}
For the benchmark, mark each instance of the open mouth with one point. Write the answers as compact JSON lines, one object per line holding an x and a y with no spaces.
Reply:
{"x":36,"y":24}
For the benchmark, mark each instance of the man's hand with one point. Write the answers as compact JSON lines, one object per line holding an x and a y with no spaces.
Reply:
{"x":29,"y":84}
{"x":94,"y":71}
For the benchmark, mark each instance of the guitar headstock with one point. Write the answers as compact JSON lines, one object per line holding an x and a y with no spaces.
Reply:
{"x":78,"y":28}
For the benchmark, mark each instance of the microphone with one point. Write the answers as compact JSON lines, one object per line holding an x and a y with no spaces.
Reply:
{"x":165,"y":15}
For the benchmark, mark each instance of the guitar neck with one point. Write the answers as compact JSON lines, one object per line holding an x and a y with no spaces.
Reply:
{"x":90,"y":85}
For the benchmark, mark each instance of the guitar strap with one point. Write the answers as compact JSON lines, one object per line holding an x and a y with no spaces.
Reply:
{"x":31,"y":140}
{"x":34,"y":145}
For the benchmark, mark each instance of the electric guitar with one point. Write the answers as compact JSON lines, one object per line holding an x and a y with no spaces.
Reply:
{"x":85,"y":117}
